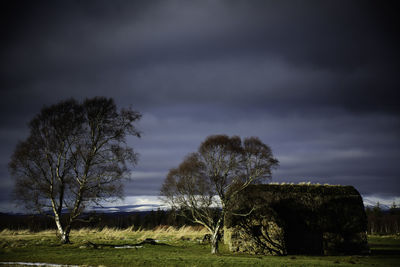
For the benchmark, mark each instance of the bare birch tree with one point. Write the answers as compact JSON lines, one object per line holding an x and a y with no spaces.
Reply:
{"x":203,"y":185}
{"x":75,"y":155}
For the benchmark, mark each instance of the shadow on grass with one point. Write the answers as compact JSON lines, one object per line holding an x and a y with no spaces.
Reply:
{"x":147,"y":241}
{"x":385,"y":251}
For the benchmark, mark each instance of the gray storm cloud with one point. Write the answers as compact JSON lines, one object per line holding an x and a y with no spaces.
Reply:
{"x":316,"y":80}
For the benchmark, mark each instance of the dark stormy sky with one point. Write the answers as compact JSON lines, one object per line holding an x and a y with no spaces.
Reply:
{"x":316,"y":80}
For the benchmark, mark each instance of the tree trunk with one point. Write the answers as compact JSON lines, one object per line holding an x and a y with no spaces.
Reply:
{"x":214,"y":243}
{"x":215,"y":238}
{"x":64,"y":233}
{"x":65,"y":237}
{"x":215,"y":234}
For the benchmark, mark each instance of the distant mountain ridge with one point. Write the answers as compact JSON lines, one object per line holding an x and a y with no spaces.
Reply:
{"x":370,"y":204}
{"x":125,"y":208}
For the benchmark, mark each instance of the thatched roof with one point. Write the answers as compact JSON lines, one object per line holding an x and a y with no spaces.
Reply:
{"x":297,"y":218}
{"x":330,"y":208}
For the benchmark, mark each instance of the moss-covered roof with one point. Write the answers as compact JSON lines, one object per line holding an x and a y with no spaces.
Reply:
{"x":308,"y":217}
{"x":303,"y":188}
{"x":331,"y":208}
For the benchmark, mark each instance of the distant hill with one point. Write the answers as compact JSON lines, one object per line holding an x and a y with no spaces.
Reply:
{"x":125,"y":208}
{"x":370,"y":203}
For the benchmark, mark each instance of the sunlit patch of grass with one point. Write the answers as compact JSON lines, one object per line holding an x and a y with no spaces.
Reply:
{"x":168,"y":234}
{"x":162,"y":233}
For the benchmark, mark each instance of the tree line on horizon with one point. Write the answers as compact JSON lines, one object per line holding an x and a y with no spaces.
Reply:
{"x":380,"y":221}
{"x":137,"y":220}
{"x":383,"y":222}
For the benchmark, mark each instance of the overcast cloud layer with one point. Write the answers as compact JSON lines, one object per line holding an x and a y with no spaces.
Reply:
{"x":316,"y":80}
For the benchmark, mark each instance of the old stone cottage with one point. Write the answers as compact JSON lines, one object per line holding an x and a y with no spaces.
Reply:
{"x":297,"y":219}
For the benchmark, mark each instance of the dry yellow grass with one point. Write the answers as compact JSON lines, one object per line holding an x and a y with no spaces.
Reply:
{"x":161,"y":232}
{"x":10,"y":233}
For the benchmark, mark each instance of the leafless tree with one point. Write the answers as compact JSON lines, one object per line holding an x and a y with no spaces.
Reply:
{"x":204,"y":184}
{"x":75,"y":155}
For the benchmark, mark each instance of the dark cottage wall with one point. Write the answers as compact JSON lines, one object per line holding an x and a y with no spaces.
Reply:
{"x":297,"y":219}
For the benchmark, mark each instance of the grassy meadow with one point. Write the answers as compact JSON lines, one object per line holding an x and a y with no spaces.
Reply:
{"x":174,"y":247}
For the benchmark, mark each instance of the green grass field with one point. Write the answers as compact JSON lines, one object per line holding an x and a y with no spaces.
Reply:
{"x":176,"y":247}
